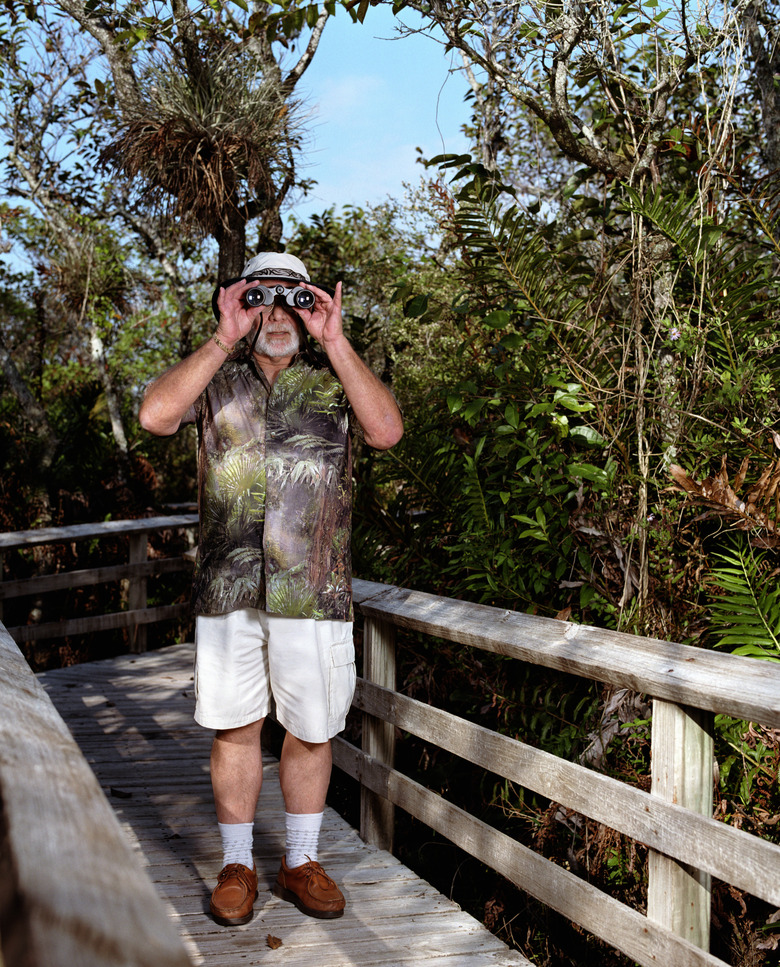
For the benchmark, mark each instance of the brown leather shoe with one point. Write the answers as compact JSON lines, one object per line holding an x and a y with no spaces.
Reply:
{"x":311,"y":889}
{"x":234,"y":895}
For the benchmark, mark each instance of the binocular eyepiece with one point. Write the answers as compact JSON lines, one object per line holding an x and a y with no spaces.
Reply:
{"x":262,"y":295}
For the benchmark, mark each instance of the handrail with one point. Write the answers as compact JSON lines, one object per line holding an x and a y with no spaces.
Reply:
{"x":674,"y":820}
{"x":746,"y":688}
{"x":136,"y":571}
{"x":73,"y":891}
{"x":11,"y":540}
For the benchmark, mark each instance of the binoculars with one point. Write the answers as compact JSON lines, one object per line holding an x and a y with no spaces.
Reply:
{"x":262,"y":295}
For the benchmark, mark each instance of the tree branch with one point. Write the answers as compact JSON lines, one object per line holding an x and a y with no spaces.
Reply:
{"x":306,"y":57}
{"x":120,"y":60}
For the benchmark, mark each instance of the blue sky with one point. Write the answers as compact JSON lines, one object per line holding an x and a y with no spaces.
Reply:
{"x":373,"y":101}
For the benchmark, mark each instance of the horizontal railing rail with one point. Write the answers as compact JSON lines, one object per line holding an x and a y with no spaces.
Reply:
{"x":674,"y":820}
{"x":136,"y":616}
{"x":72,"y":893}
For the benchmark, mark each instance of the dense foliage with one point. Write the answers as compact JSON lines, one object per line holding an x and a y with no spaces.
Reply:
{"x":579,"y":320}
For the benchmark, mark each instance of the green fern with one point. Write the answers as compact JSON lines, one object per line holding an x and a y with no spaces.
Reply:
{"x":746,"y":607}
{"x":474,"y":496}
{"x":733,"y":284}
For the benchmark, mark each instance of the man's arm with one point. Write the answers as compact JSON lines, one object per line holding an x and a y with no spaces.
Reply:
{"x":170,"y":396}
{"x":372,"y":402}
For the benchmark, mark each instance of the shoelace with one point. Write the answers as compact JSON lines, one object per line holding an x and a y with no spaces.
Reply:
{"x":313,"y":869}
{"x":237,"y":870}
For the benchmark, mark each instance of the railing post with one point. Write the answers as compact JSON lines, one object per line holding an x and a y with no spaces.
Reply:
{"x":377,"y":814}
{"x":136,"y":592}
{"x":678,"y":896}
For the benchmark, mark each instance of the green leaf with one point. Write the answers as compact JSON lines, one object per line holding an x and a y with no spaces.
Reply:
{"x":587,"y":435}
{"x":512,"y":340}
{"x":416,"y":307}
{"x":512,"y":416}
{"x":472,"y":409}
{"x":587,"y":471}
{"x":571,"y":402}
{"x":498,"y":319}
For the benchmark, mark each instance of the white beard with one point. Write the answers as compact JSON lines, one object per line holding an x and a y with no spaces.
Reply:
{"x":275,"y":346}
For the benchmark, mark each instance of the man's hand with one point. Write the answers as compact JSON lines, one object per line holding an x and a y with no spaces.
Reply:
{"x":372,"y":402}
{"x":323,"y":321}
{"x":236,"y":319}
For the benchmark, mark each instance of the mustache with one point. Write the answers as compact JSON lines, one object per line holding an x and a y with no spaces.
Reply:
{"x":291,"y":327}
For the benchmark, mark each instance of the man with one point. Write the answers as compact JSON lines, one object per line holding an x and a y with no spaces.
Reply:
{"x":272,"y":586}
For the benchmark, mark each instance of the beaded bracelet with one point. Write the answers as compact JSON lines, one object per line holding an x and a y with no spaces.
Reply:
{"x":222,"y":346}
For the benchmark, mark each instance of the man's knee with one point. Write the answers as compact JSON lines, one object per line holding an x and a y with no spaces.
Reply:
{"x":241,"y":734}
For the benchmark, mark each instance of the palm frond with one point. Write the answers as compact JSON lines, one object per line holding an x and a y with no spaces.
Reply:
{"x":475,"y":515}
{"x":732,"y":283}
{"x":545,"y":280}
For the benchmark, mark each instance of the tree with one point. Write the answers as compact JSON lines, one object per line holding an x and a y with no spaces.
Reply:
{"x":203,"y":112}
{"x":645,"y":101}
{"x":199,"y":107}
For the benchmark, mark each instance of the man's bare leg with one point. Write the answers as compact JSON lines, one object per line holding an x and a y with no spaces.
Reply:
{"x":304,"y":774}
{"x":236,"y":778}
{"x":237,"y":773}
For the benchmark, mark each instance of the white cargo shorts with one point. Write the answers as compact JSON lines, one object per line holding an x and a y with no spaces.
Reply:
{"x":249,"y":662}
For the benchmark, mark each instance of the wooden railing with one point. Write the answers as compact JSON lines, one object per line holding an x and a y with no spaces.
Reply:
{"x":687,"y":846}
{"x":72,"y":892}
{"x":674,"y":820}
{"x":136,"y":571}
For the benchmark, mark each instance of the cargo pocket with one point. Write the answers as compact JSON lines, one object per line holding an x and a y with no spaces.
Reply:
{"x":342,"y":683}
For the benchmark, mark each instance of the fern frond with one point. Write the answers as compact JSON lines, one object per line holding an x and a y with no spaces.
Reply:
{"x":475,"y":500}
{"x":745,"y":610}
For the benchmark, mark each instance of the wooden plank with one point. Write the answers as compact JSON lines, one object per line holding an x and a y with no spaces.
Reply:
{"x":678,"y":894}
{"x":746,"y":688}
{"x":98,"y":622}
{"x":12,"y":540}
{"x":377,"y":818}
{"x":647,"y":943}
{"x":87,"y":577}
{"x":730,"y":854}
{"x":63,"y":900}
{"x":393,"y":918}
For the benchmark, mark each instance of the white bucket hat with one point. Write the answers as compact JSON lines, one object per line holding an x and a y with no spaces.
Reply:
{"x":270,"y":265}
{"x":275,"y":265}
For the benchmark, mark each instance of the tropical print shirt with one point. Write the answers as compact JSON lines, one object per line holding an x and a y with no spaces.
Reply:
{"x":275,"y":476}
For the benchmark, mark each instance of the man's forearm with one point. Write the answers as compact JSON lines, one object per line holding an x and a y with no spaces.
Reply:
{"x":372,"y":402}
{"x":170,"y":396}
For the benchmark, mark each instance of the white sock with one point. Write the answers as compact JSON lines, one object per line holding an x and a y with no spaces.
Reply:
{"x":303,"y":837}
{"x":237,"y":843}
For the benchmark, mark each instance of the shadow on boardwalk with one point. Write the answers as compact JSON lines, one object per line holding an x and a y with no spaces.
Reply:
{"x":132,"y":718}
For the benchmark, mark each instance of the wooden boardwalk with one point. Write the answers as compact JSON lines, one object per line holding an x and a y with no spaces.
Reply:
{"x":132,"y":717}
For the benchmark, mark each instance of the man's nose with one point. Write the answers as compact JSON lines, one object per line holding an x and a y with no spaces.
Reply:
{"x":279,"y":302}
